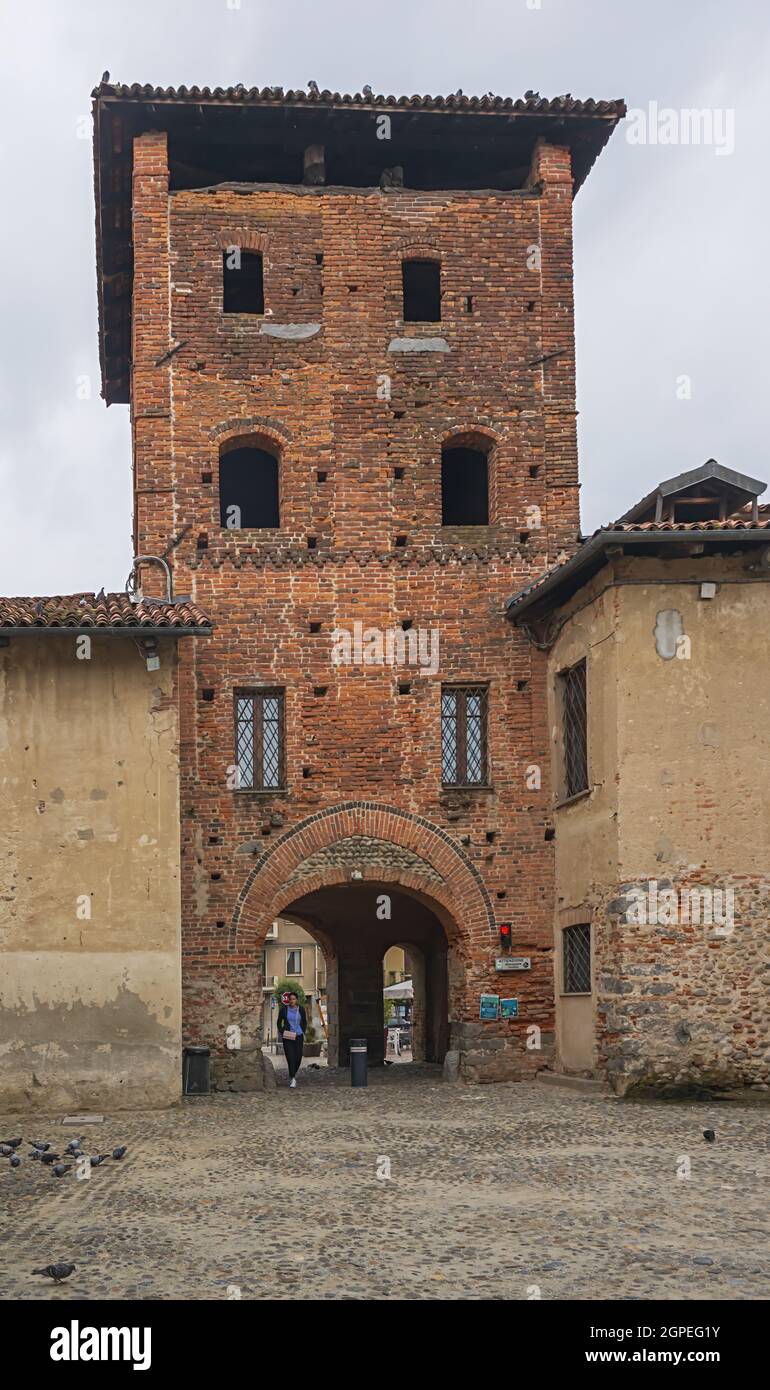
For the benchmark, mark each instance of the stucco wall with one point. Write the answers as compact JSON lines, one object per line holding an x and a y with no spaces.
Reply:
{"x":587,"y":827}
{"x":679,"y":754}
{"x":89,"y":876}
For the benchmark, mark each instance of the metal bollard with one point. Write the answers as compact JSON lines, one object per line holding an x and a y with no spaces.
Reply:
{"x":358,"y":1061}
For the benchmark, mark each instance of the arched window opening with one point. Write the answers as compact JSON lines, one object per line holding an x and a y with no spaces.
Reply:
{"x":248,"y":486}
{"x":242,"y":282}
{"x":422,"y":291}
{"x":464,"y":486}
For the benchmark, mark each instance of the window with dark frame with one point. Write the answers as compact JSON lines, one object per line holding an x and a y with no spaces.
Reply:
{"x":243,"y":289}
{"x":422,"y":291}
{"x":259,"y":739}
{"x":464,"y":486}
{"x":576,"y":947}
{"x":464,"y":735}
{"x":294,"y":961}
{"x":574,"y":729}
{"x":248,"y":487}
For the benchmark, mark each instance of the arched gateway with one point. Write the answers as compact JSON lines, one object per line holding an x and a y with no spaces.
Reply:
{"x":360,"y":876}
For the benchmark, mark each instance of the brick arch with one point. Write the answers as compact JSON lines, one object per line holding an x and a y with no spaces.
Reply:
{"x":464,"y":433}
{"x":450,"y":885}
{"x":272,"y":430}
{"x":418,"y":251}
{"x":245,"y":239}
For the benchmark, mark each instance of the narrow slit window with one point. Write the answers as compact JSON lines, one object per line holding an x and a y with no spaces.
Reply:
{"x":259,"y":739}
{"x":576,"y":959}
{"x":422,"y":291}
{"x":248,"y":487}
{"x":464,"y":487}
{"x":464,"y":736}
{"x":243,"y":290}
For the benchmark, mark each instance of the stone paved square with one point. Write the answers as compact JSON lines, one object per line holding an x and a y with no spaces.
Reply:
{"x":496,"y":1192}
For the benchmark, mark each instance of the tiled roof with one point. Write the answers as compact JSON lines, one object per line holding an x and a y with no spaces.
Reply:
{"x":732,"y":523}
{"x":594,"y":544}
{"x":251,"y":96}
{"x":108,"y":612}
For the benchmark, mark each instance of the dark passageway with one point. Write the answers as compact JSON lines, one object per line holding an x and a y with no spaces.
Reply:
{"x":355,"y":924}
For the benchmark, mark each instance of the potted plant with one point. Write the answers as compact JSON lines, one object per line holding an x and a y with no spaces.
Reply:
{"x":313,"y":1043}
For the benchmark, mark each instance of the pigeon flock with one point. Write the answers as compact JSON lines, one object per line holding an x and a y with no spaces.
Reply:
{"x":59,"y":1164}
{"x":41,"y":1151}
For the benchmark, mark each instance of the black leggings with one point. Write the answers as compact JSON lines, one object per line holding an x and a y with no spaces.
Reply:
{"x":293,"y":1050}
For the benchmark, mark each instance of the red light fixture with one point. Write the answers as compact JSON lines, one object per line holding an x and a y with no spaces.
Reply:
{"x":505,"y":934}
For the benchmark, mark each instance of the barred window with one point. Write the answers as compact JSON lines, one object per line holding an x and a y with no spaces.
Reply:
{"x":574,"y":729}
{"x":464,"y":735}
{"x":259,"y":752}
{"x":577,"y":959}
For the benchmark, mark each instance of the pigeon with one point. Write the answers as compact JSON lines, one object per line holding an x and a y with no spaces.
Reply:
{"x":59,"y":1169}
{"x":56,"y":1272}
{"x":709,"y":1135}
{"x":11,"y":1143}
{"x":367,"y":91}
{"x":73,"y":1145}
{"x":15,"y":1161}
{"x":49,"y":1158}
{"x":313,"y":87}
{"x":41,"y":1148}
{"x":120,"y":1151}
{"x":33,"y":1154}
{"x":96,"y":1159}
{"x":105,"y":78}
{"x":6,"y":1150}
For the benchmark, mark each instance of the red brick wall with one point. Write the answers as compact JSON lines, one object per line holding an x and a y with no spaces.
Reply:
{"x":318,"y":401}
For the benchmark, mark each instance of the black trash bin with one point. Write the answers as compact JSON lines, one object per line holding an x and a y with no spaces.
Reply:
{"x":195,"y":1071}
{"x":358,"y":1062}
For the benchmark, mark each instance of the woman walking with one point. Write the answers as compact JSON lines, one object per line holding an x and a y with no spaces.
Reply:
{"x":292,"y":1026}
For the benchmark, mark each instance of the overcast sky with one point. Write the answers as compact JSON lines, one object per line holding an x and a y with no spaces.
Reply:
{"x":671,"y":253}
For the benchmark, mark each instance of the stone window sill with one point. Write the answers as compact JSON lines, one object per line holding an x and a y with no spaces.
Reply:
{"x":466,"y":787}
{"x":260,"y":791}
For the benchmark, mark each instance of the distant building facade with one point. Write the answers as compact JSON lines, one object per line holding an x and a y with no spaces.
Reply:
{"x":292,"y":954}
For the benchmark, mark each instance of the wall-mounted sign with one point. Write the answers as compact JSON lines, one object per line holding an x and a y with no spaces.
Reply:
{"x":513,"y":963}
{"x":509,"y":1008}
{"x":488,"y":1006}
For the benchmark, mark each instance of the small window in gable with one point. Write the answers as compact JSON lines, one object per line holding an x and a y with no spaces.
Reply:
{"x":242,"y":286}
{"x":464,"y":486}
{"x":422,"y":291}
{"x":248,"y":486}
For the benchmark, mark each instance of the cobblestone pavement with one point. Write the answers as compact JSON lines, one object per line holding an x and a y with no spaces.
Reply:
{"x":493,"y":1190}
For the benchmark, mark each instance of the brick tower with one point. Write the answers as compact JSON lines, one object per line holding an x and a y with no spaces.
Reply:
{"x":345,"y":329}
